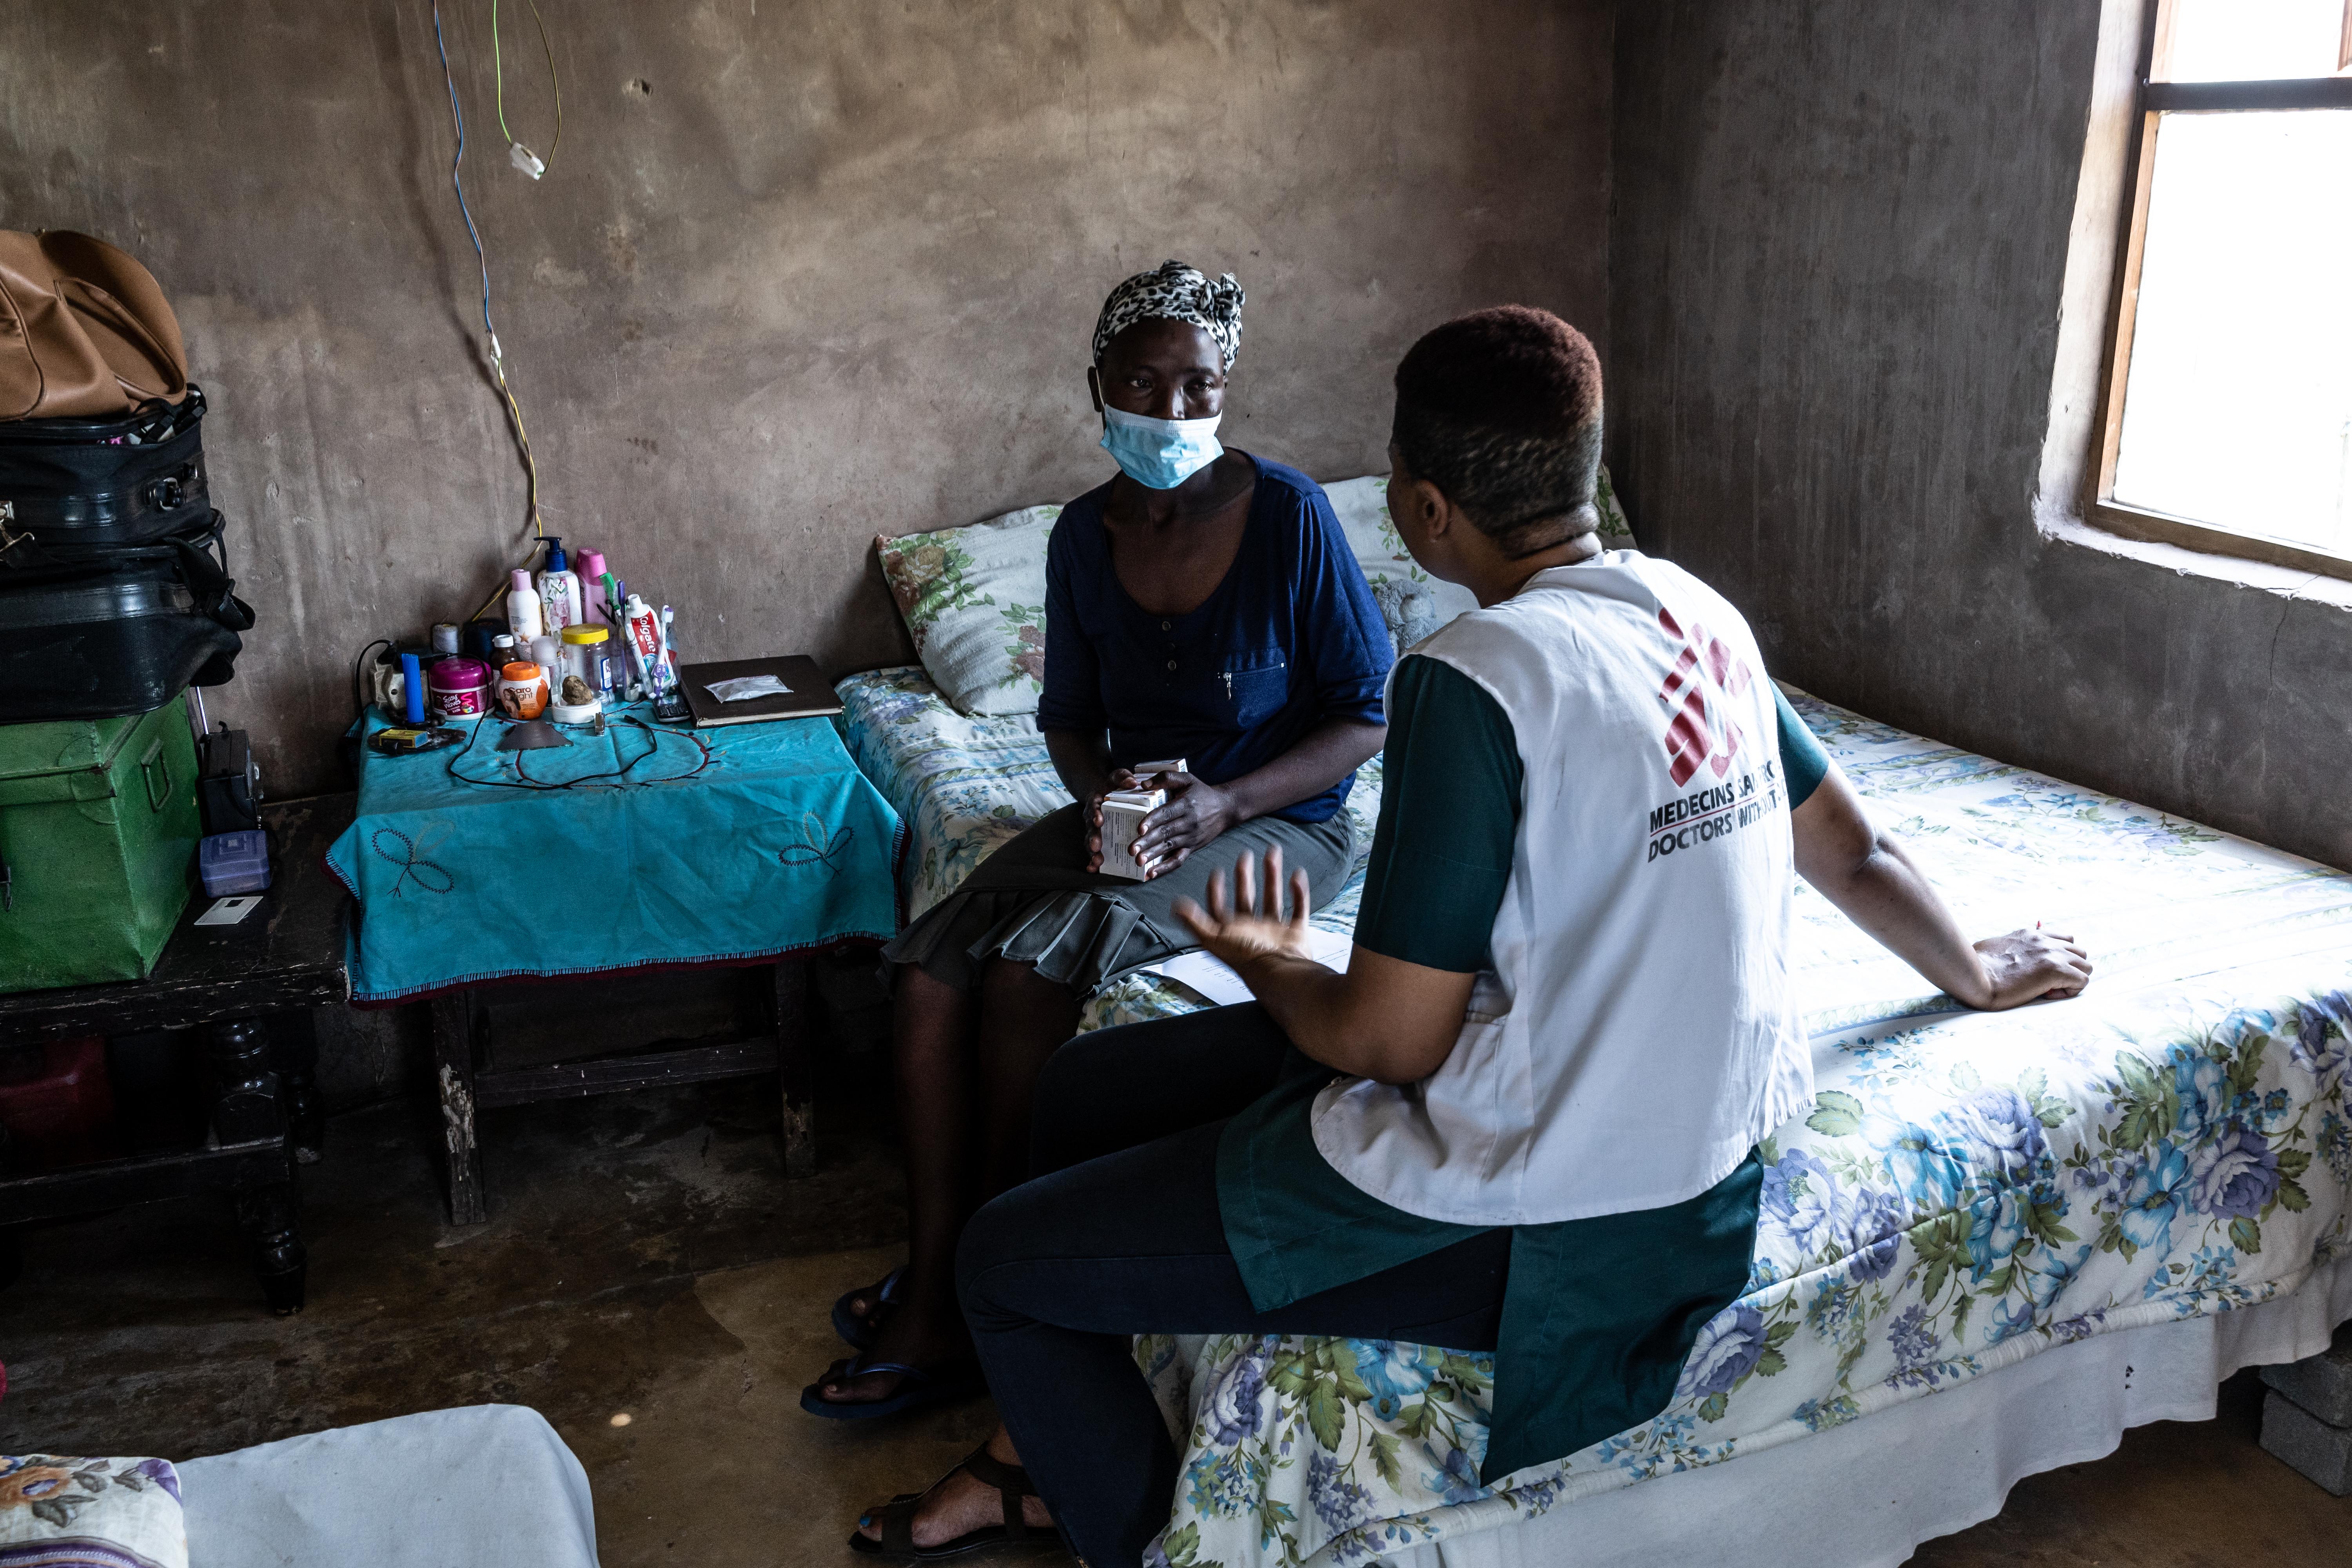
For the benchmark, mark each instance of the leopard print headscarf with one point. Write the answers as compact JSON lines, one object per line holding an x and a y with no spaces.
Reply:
{"x":1177,"y":293}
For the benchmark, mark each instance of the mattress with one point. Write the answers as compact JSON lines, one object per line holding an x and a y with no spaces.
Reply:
{"x":1922,"y":1469}
{"x":1970,"y":1191}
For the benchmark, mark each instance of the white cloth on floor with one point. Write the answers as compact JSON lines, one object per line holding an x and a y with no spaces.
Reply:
{"x":485,"y":1486}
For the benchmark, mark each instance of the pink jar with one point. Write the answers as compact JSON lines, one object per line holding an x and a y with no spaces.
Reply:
{"x":458,"y":688}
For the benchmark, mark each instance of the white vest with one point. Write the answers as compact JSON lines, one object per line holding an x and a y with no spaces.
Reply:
{"x":1636,"y":1035}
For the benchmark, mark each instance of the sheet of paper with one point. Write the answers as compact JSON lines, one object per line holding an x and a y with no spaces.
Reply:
{"x":1215,"y":979}
{"x":743,"y":687}
{"x":1212,"y":977}
{"x":228,"y":911}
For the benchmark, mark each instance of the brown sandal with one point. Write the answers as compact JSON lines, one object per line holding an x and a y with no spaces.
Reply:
{"x":897,"y":1517}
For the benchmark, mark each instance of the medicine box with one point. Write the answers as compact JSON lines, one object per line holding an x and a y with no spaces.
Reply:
{"x":234,"y":862}
{"x":1123,"y":812}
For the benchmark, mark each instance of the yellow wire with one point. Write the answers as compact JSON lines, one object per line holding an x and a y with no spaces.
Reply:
{"x":530,"y":471}
{"x":499,"y":78}
{"x":498,"y":360}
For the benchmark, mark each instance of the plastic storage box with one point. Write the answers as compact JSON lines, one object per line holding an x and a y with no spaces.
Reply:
{"x":234,"y":862}
{"x":98,"y":828}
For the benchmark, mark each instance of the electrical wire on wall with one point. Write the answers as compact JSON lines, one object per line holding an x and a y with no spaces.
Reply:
{"x":528,"y":162}
{"x":482,"y":260}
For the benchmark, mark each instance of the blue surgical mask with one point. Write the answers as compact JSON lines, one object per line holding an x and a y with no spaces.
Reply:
{"x":1160,"y":453}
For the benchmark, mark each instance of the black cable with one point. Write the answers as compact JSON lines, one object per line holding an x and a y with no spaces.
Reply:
{"x":522,"y":780}
{"x":709,"y":756}
{"x":359,"y":698}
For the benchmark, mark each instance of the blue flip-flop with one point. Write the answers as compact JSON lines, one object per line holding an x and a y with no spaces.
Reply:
{"x":919,"y":1388}
{"x":853,"y":1330}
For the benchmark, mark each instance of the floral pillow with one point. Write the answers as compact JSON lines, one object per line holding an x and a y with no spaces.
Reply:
{"x":90,"y":1513}
{"x":974,"y":601}
{"x":1412,"y":602}
{"x":1616,"y":529}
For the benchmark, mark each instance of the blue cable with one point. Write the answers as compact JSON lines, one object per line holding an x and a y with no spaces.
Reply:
{"x":497,"y":355}
{"x":455,"y":164}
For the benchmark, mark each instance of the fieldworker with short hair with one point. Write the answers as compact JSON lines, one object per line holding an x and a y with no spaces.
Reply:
{"x":1525,"y":1119}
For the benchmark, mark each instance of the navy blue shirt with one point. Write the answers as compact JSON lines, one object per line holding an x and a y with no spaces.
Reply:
{"x":1290,"y":639}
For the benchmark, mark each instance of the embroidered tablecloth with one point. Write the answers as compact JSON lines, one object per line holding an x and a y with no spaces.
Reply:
{"x":672,"y":847}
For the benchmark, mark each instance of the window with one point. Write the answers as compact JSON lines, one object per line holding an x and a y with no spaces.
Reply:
{"x":2227,"y":418}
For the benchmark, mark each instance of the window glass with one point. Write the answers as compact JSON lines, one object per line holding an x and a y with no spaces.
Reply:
{"x":2254,"y":40}
{"x":2238,"y":405}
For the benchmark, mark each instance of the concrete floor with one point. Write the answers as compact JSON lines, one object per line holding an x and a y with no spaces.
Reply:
{"x":646,"y":1258}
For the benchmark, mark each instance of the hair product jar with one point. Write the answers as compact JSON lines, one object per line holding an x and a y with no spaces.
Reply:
{"x":458,"y":688}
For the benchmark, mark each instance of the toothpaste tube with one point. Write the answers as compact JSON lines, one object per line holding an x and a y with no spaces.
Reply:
{"x":642,"y":628}
{"x":670,"y":696}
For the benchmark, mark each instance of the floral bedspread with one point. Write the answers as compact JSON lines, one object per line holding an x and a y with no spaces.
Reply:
{"x":1969,"y":1190}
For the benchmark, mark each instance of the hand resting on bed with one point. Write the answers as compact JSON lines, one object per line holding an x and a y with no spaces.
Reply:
{"x":1864,"y":871}
{"x":1396,"y":1022}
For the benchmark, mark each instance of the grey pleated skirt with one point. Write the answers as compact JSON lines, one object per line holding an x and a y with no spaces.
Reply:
{"x":1033,"y":902}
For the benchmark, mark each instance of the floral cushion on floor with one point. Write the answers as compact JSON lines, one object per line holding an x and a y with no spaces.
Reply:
{"x":58,"y":1512}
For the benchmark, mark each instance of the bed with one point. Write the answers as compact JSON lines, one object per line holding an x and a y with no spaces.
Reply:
{"x":1994,"y":1243}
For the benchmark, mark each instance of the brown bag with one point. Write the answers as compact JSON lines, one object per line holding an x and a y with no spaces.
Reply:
{"x":85,"y":332}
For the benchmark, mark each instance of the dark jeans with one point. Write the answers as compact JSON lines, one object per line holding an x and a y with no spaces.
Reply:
{"x":1119,"y":1234}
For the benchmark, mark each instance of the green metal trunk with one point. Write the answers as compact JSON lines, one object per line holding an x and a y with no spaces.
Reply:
{"x":98,"y":833}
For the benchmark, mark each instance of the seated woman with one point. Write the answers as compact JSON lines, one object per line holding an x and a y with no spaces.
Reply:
{"x":1204,"y":611}
{"x":1525,"y":1120}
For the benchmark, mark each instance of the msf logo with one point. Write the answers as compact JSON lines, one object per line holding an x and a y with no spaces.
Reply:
{"x":1702,"y":731}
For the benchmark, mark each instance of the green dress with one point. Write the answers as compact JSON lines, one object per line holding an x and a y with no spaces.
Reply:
{"x":1599,"y":1314}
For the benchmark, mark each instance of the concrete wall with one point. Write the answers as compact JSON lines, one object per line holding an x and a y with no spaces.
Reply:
{"x":800,"y":273}
{"x":1840,"y":308}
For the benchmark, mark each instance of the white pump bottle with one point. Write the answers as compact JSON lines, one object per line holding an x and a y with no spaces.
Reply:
{"x":524,"y":616}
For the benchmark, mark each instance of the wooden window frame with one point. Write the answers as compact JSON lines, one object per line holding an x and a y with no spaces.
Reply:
{"x":2157,"y":97}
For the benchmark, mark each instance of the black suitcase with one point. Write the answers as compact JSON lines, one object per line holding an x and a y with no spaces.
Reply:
{"x":71,"y":490}
{"x":114,"y":586}
{"x":118,"y":639}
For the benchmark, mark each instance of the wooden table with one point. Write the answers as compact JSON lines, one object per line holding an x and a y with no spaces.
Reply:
{"x":249,"y":989}
{"x":746,"y":846}
{"x":471,"y":1078}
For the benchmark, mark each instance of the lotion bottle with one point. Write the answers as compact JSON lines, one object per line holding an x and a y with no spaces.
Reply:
{"x":592,"y":588}
{"x":559,"y":591}
{"x":523,"y":614}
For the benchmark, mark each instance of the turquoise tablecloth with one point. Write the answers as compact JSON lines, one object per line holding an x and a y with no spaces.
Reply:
{"x":776,"y":844}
